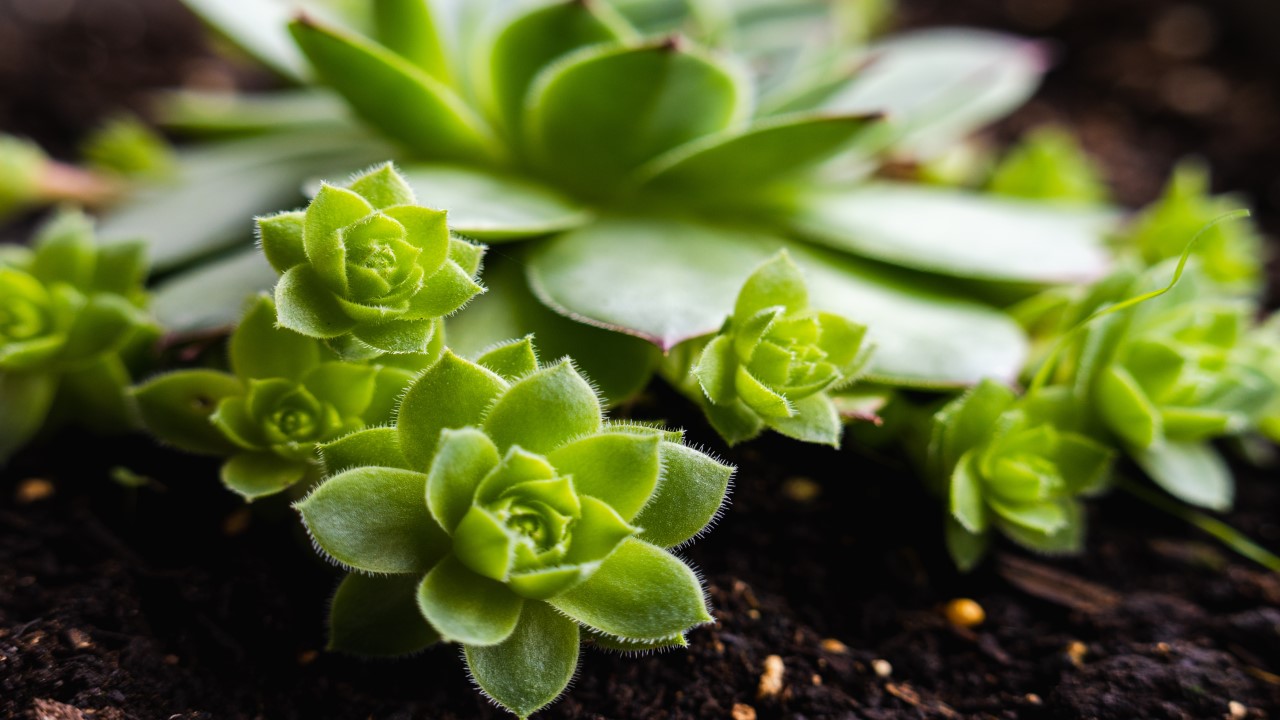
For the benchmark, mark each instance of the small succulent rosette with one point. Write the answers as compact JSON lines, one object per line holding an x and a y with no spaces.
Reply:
{"x":68,"y":308}
{"x":1172,"y":373}
{"x":775,"y":360}
{"x":1012,"y":464}
{"x":286,"y":393}
{"x":504,"y":513}
{"x":366,"y":269}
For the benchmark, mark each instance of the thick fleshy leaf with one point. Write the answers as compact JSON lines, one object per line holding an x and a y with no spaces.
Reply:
{"x":620,"y":365}
{"x":717,"y":369}
{"x":640,"y":593}
{"x":348,"y":387}
{"x":608,"y":642}
{"x":408,"y":28}
{"x":736,"y":422}
{"x":470,"y":389}
{"x":467,"y":608}
{"x":395,"y":96}
{"x":776,"y":283}
{"x":512,"y":360}
{"x":378,"y":447}
{"x":966,"y":548}
{"x":398,"y":336}
{"x":531,"y":40}
{"x":378,"y":617}
{"x":260,"y":349}
{"x":965,"y":423}
{"x":816,"y":420}
{"x":958,"y":233}
{"x":280,"y":237}
{"x":213,"y":294}
{"x":965,"y":499}
{"x":1192,"y":472}
{"x":471,"y":198}
{"x":25,"y":399}
{"x":483,"y":543}
{"x":619,"y":468}
{"x":529,"y":669}
{"x":1126,"y":409}
{"x":305,"y":305}
{"x":255,"y":475}
{"x":176,"y":407}
{"x":545,"y":410}
{"x":374,"y":519}
{"x":1067,"y":539}
{"x":738,"y":168}
{"x":937,"y":86}
{"x":588,"y":137}
{"x":681,"y":280}
{"x":688,"y":498}
{"x":383,"y":188}
{"x":446,"y":291}
{"x":331,"y":211}
{"x":121,"y":268}
{"x":463,"y":459}
{"x":101,"y":325}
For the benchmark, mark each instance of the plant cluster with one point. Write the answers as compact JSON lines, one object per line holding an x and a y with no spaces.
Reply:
{"x":724,"y":223}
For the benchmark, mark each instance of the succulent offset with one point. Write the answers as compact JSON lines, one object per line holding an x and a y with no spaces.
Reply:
{"x":72,"y":315}
{"x":366,"y":269}
{"x":520,"y":520}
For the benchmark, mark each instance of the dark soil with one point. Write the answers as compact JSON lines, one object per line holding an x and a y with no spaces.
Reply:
{"x":173,"y":601}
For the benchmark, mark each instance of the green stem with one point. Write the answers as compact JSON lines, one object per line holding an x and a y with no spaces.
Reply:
{"x":1221,"y":531}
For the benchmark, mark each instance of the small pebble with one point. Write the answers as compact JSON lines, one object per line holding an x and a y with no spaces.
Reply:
{"x":1034,"y":699}
{"x":237,"y":522}
{"x":306,"y":657}
{"x":33,"y":490}
{"x":816,"y":679}
{"x":882,"y":667}
{"x":834,"y":646}
{"x":171,"y":660}
{"x":1076,"y":651}
{"x":743,"y":711}
{"x":771,"y":678}
{"x":1238,"y":710}
{"x":78,"y":639}
{"x":965,"y":613}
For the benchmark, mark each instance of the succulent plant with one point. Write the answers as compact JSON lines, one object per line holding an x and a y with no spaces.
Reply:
{"x":741,"y":132}
{"x":775,"y":359}
{"x":513,"y":519}
{"x":285,"y":395}
{"x":1048,"y":164}
{"x":1014,"y":465}
{"x":69,"y":308}
{"x":366,"y":269}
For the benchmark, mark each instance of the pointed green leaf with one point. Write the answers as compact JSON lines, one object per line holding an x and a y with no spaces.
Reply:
{"x":534,"y":38}
{"x":470,"y":388}
{"x":717,"y":370}
{"x":467,"y":608}
{"x":446,"y":291}
{"x":967,"y":423}
{"x":511,"y":360}
{"x":382,"y":187}
{"x":280,"y":237}
{"x":1192,"y":472}
{"x":739,"y":167}
{"x":378,"y":617}
{"x":1067,"y":539}
{"x":64,"y":250}
{"x":101,"y":325}
{"x":374,"y":519}
{"x":776,"y":283}
{"x":608,"y":642}
{"x":1044,"y":518}
{"x":255,"y":475}
{"x":396,"y":97}
{"x":545,"y":410}
{"x":966,"y":548}
{"x":589,"y":137}
{"x":398,"y":336}
{"x":25,"y":399}
{"x":304,"y":305}
{"x":1126,"y":409}
{"x":619,"y":468}
{"x":348,"y":387}
{"x":260,"y":349}
{"x":121,"y":268}
{"x":484,"y":545}
{"x":816,"y":420}
{"x":958,"y":233}
{"x":175,"y":408}
{"x":597,"y":533}
{"x":213,"y":294}
{"x":736,"y":423}
{"x":463,"y":459}
{"x":408,"y":28}
{"x":640,"y":593}
{"x":378,"y":447}
{"x":965,"y":492}
{"x":532,"y":667}
{"x":937,"y":86}
{"x":466,"y":194}
{"x":688,"y":498}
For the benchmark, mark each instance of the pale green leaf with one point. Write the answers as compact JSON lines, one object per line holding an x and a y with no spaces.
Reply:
{"x":25,"y":399}
{"x":1192,"y":472}
{"x":408,"y":28}
{"x":255,"y":475}
{"x":965,"y":492}
{"x":212,"y":295}
{"x":619,"y":468}
{"x":688,"y":498}
{"x":533,"y":666}
{"x":641,"y":592}
{"x":470,"y":196}
{"x":374,"y":519}
{"x":544,"y":410}
{"x":378,"y":447}
{"x":305,"y":305}
{"x":511,"y":360}
{"x":176,"y":408}
{"x":260,"y":349}
{"x":1126,"y":409}
{"x":463,"y":459}
{"x":422,"y":415}
{"x":467,"y":608}
{"x":816,"y":420}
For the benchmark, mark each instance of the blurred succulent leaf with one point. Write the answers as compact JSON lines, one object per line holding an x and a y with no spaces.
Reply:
{"x":176,"y":407}
{"x":1192,"y":472}
{"x":468,"y":196}
{"x":1049,"y":164}
{"x":378,"y":616}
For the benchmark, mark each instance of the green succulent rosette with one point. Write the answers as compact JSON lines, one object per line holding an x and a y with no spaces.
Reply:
{"x":1049,"y":164}
{"x":285,"y":395}
{"x":775,"y":360}
{"x":513,"y":519}
{"x":69,"y":308}
{"x":1015,"y":465}
{"x":366,"y":269}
